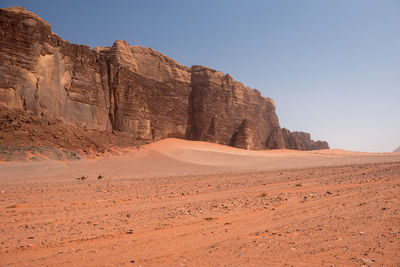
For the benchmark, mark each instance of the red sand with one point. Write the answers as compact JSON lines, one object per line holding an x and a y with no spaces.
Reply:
{"x":200,"y":204}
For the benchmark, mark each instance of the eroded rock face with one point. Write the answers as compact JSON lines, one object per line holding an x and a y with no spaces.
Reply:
{"x":149,"y":92}
{"x":301,"y":141}
{"x":227,"y":112}
{"x":132,"y":90}
{"x":41,"y":73}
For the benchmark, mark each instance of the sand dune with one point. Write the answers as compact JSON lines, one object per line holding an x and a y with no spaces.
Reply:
{"x":172,"y":157}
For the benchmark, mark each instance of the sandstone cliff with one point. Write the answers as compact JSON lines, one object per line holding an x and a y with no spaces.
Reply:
{"x":129,"y":91}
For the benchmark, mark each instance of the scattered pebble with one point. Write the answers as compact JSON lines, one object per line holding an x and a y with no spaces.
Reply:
{"x":367,"y":261}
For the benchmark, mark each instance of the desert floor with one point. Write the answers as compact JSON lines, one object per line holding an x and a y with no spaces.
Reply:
{"x":182,"y":203}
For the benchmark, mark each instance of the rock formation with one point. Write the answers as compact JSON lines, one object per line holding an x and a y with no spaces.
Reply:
{"x":397,"y":149}
{"x":131,"y":91}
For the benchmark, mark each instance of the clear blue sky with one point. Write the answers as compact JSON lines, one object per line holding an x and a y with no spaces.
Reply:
{"x":332,"y":67}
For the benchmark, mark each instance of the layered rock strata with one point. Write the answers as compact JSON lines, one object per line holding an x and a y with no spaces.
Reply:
{"x":131,"y":91}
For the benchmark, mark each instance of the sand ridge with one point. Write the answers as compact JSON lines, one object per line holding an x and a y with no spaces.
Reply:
{"x":171,"y":157}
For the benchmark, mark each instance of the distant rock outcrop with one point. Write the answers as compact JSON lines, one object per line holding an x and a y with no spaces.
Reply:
{"x":131,"y":91}
{"x":397,"y":149}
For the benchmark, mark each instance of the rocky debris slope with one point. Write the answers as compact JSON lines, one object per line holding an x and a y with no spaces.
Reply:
{"x":24,"y":136}
{"x":129,"y":91}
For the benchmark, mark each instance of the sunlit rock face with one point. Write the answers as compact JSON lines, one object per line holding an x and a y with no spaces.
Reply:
{"x":132,"y":90}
